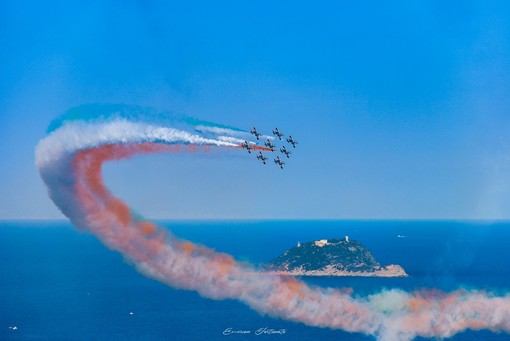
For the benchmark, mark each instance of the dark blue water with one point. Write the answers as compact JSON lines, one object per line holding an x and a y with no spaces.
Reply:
{"x":57,"y":283}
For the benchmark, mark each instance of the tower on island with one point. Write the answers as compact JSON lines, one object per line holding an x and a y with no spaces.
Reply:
{"x":346,"y":239}
{"x":298,"y":244}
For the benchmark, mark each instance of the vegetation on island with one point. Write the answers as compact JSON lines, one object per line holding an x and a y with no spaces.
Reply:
{"x":335,"y":257}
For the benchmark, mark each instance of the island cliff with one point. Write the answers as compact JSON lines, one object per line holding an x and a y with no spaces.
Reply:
{"x":334,"y":257}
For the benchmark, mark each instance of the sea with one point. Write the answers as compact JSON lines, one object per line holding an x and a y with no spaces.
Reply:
{"x":59,"y":283}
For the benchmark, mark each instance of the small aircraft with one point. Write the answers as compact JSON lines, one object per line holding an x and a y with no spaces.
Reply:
{"x":292,"y":141}
{"x":277,"y":133}
{"x":279,"y":162}
{"x":285,"y":151}
{"x":247,"y":146}
{"x":255,"y":132}
{"x":261,"y":157}
{"x":270,"y":145}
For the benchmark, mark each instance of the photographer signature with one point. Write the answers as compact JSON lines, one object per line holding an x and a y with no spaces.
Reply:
{"x":260,"y":331}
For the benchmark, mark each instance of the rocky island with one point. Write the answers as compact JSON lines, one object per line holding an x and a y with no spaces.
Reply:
{"x":332,"y":257}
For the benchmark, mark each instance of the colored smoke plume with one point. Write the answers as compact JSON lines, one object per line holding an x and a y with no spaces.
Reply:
{"x":70,"y":159}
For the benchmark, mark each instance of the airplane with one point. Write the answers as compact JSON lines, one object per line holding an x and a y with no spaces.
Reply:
{"x":279,"y":162}
{"x":247,"y":146}
{"x":277,"y":133}
{"x":255,"y":132}
{"x":269,"y":145}
{"x":292,"y":141}
{"x":285,"y":151}
{"x":262,"y":158}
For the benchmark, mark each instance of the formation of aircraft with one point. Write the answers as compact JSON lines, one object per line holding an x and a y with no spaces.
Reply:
{"x":270,"y":145}
{"x":255,"y":132}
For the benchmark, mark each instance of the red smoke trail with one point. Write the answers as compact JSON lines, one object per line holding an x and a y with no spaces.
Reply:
{"x":140,"y":239}
{"x":111,"y":220}
{"x":145,"y":243}
{"x":389,"y":315}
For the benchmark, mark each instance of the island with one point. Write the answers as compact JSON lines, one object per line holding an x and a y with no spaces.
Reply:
{"x":331,"y":257}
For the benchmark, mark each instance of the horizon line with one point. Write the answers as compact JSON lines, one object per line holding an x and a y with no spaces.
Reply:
{"x":281,"y":219}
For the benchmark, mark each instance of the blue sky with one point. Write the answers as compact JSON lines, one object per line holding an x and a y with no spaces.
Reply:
{"x":401,"y":108}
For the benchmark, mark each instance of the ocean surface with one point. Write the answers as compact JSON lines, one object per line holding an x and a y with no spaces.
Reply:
{"x":58,"y":283}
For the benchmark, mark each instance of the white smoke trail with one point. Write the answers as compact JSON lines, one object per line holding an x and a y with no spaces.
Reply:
{"x":81,"y":135}
{"x":70,"y":160}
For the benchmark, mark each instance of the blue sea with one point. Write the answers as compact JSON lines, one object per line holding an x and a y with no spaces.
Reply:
{"x":57,"y":283}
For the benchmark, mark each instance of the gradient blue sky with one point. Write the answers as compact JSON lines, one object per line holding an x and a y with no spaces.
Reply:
{"x":401,"y":108}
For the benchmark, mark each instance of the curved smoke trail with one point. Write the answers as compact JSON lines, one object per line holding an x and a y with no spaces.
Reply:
{"x":70,"y":160}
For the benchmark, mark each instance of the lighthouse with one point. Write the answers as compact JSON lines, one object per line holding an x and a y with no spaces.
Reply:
{"x":346,"y":239}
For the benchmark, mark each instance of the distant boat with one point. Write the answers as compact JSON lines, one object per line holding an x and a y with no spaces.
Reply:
{"x":401,"y":236}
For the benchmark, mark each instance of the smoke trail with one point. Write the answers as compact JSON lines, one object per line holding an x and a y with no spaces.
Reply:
{"x":70,"y":158}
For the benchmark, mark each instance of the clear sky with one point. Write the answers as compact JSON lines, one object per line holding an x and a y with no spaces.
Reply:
{"x":402,"y":108}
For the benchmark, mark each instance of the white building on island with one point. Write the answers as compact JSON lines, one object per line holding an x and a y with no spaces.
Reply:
{"x":321,"y":243}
